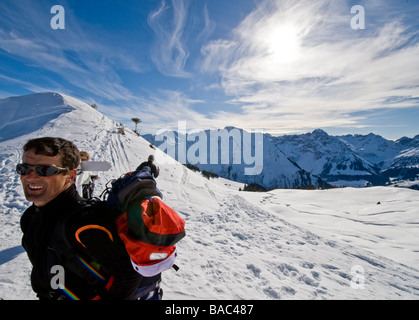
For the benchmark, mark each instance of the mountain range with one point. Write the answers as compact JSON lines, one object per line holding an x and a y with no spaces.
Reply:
{"x":314,"y":159}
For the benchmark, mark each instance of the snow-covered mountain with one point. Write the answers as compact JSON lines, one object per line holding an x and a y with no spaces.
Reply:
{"x":277,"y":170}
{"x":283,"y":244}
{"x":318,"y":159}
{"x":373,"y":148}
{"x":329,"y":158}
{"x":397,"y":161}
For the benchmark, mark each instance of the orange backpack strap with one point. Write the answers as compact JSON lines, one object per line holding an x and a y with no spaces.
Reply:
{"x":91,"y":226}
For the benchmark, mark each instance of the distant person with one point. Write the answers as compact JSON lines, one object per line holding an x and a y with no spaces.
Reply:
{"x":149,"y":166}
{"x":85,"y":181}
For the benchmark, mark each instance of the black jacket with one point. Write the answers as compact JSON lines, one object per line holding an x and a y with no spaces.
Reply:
{"x":43,"y":229}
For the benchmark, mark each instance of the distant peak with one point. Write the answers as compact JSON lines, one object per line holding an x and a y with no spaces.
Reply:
{"x":320,"y":132}
{"x":404,"y":140}
{"x":231,"y":128}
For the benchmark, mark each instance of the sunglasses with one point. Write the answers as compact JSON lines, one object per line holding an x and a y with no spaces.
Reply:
{"x":42,"y":171}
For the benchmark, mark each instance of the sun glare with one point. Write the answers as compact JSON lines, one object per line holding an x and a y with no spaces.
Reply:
{"x":282,"y":43}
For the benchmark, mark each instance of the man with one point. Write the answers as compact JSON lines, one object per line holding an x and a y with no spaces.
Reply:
{"x":149,"y":166}
{"x":47,"y":174}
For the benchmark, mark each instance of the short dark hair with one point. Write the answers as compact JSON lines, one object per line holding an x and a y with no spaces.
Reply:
{"x":49,"y":146}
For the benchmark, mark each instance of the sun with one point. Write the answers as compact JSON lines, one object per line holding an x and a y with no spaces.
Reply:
{"x":282,"y":43}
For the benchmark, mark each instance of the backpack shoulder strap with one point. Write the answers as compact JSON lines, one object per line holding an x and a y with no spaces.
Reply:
{"x":80,"y":232}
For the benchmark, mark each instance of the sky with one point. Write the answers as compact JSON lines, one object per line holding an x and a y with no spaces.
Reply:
{"x":277,"y":66}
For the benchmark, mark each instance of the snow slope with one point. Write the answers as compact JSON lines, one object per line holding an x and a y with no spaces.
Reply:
{"x":285,"y":244}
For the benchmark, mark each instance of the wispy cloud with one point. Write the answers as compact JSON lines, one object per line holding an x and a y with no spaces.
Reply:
{"x":74,"y":55}
{"x":169,"y":52}
{"x":302,"y":62}
{"x":162,"y":109}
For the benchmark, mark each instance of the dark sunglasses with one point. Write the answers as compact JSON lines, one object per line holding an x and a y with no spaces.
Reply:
{"x":43,"y":171}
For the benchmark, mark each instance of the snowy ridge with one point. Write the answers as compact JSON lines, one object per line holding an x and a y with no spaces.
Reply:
{"x":284,"y":244}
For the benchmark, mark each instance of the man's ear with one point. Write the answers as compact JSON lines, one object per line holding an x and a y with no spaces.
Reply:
{"x":72,"y":174}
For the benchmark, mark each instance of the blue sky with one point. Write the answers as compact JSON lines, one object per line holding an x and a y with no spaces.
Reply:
{"x":280,"y":66}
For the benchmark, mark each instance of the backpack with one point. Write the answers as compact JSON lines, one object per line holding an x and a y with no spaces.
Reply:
{"x":148,"y":227}
{"x":131,"y":214}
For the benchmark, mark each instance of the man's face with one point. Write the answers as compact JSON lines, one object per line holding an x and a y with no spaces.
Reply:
{"x":41,"y":190}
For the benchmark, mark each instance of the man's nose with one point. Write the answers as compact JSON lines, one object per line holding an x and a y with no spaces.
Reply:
{"x":32,"y":173}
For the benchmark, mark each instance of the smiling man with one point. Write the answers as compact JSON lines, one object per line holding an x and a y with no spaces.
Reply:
{"x":47,"y":174}
{"x":42,"y":174}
